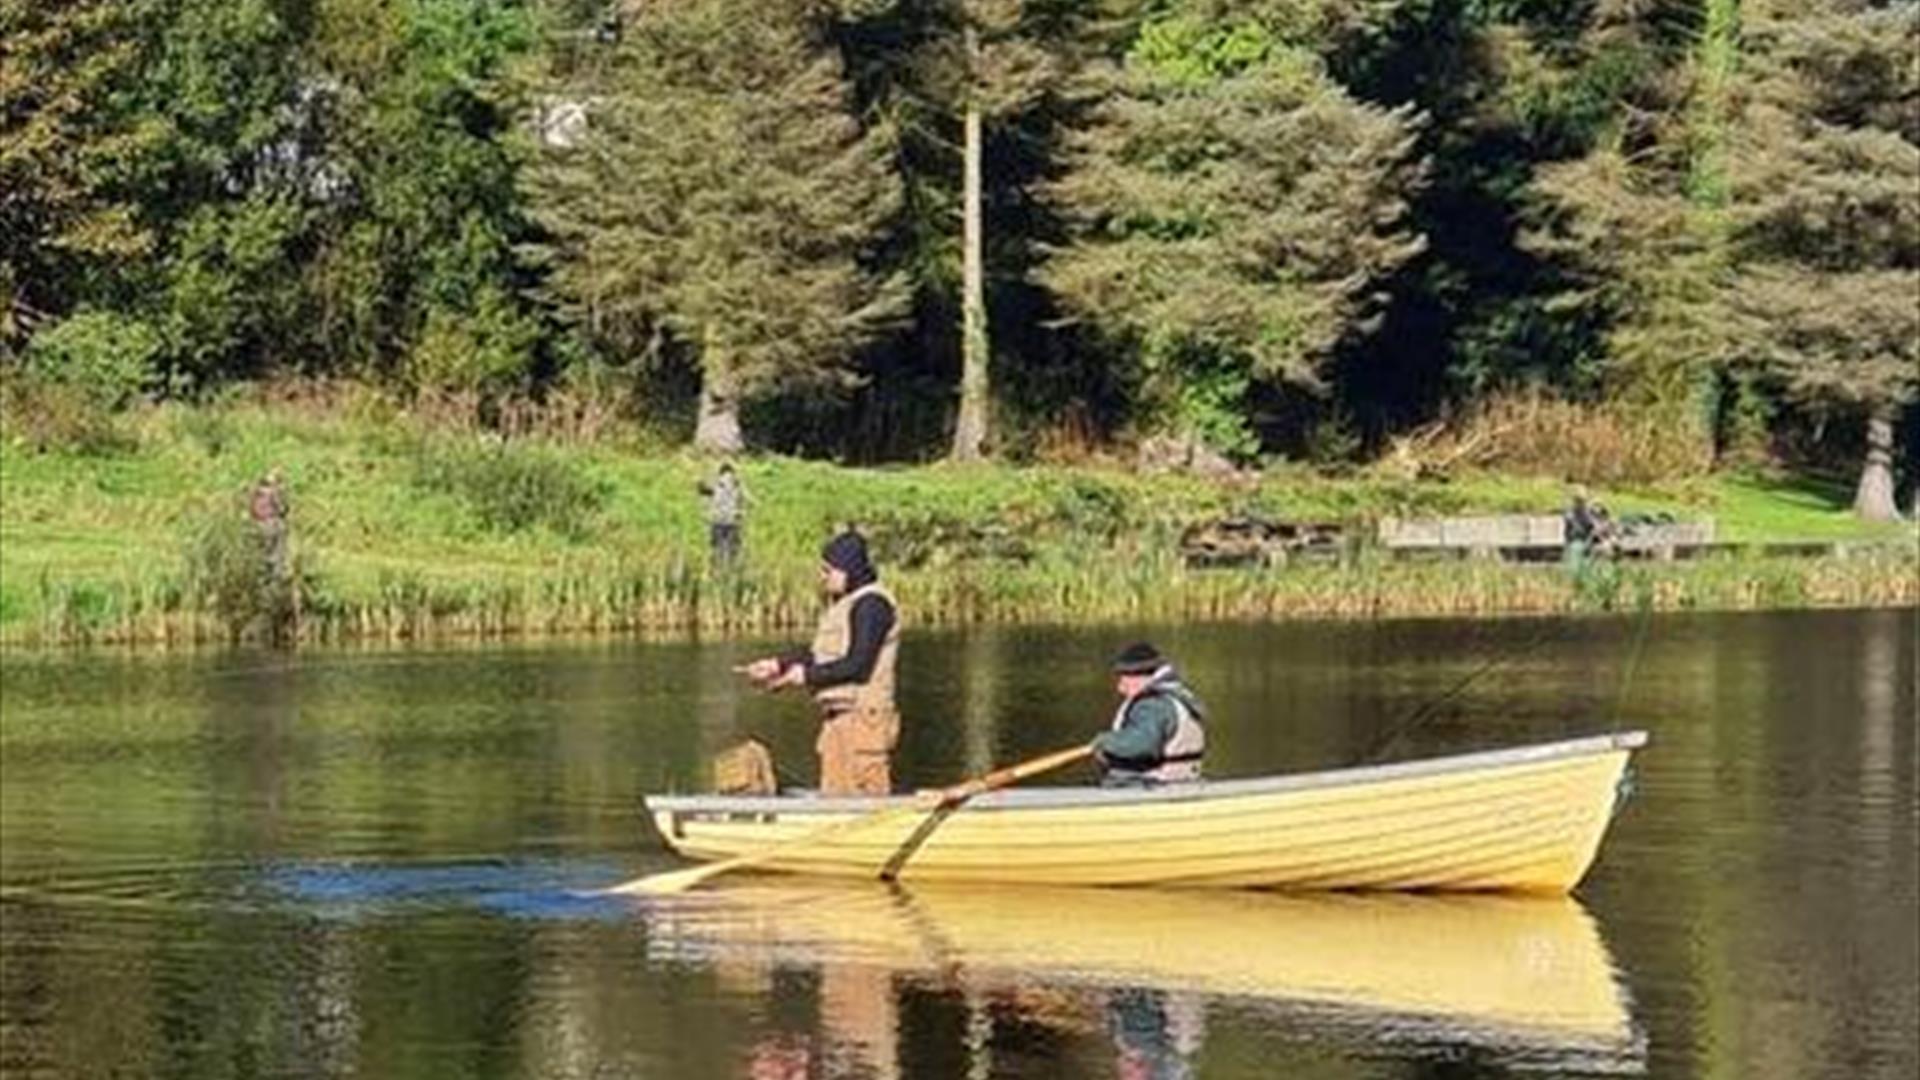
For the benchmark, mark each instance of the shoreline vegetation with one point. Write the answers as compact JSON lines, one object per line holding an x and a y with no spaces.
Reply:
{"x":404,"y":530}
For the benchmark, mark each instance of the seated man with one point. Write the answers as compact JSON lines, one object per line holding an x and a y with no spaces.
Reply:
{"x":1589,"y":528}
{"x":1156,"y":736}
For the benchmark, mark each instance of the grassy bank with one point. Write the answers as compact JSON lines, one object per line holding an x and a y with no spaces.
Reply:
{"x":405,"y":532}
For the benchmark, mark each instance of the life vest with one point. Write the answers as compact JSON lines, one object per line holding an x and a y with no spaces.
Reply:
{"x":1179,"y":757}
{"x":834,"y":637}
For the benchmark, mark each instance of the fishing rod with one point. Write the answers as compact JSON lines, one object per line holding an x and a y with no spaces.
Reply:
{"x":1633,"y":658}
{"x":1427,"y":709}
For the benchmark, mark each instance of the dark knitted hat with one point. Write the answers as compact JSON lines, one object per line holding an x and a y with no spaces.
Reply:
{"x":1138,"y":658}
{"x":847,"y":552}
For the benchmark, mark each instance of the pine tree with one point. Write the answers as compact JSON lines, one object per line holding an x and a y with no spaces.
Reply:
{"x":723,"y":194}
{"x":1231,"y":211}
{"x":1640,"y":226}
{"x":1759,"y":215}
{"x":1824,"y":181}
{"x":968,"y":83}
{"x":1003,"y":70}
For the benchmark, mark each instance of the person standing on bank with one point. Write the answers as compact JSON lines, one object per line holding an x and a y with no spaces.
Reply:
{"x":849,"y":670}
{"x":267,"y":506}
{"x":1156,"y":737}
{"x":726,"y":506}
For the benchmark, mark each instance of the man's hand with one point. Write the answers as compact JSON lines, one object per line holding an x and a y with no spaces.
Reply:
{"x":763,"y":671}
{"x":772,"y":673}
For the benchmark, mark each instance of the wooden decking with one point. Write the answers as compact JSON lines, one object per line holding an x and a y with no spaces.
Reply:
{"x":1521,"y":538}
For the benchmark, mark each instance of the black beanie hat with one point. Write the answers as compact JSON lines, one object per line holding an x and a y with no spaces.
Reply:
{"x":847,"y":553}
{"x":1138,"y":658}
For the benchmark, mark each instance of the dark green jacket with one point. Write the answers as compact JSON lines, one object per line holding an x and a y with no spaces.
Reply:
{"x":1138,"y":743}
{"x":1150,"y":722}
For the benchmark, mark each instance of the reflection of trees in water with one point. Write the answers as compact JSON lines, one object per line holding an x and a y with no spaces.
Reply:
{"x":1788,"y":858}
{"x":980,"y":712}
{"x":1879,"y":688}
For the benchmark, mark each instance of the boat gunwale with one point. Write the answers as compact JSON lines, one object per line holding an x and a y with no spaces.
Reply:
{"x":1199,"y":791}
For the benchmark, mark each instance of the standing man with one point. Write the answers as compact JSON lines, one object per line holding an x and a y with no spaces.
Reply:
{"x":1156,"y":737}
{"x":726,"y":506}
{"x":267,"y":506}
{"x":849,"y":669}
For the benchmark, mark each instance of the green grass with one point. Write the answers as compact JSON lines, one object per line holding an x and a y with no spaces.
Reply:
{"x":402,"y":532}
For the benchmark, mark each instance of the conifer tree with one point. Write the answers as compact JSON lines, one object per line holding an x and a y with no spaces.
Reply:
{"x":1002,"y":70}
{"x":1824,"y":181}
{"x":1759,"y":215}
{"x":724,"y":194}
{"x":1231,"y":209}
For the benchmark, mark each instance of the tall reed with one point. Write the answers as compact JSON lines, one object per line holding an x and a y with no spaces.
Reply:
{"x":677,"y":598}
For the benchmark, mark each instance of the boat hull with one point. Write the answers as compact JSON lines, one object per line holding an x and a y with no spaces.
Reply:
{"x":1523,"y":820}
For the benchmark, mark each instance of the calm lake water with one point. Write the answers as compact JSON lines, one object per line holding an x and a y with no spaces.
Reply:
{"x":371,"y":864}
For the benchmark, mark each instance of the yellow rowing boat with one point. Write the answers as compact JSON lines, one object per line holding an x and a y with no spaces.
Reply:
{"x":1526,"y":975}
{"x":1528,"y":819}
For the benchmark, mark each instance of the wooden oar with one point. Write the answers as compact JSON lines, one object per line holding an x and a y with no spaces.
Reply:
{"x":674,"y":881}
{"x":951,"y":799}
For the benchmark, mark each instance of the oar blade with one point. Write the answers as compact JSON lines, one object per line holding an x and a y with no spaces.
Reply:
{"x":669,"y":882}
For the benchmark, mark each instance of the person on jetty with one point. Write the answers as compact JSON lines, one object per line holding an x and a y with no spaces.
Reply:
{"x":1590,"y":529}
{"x":1156,"y":737}
{"x":849,"y":669}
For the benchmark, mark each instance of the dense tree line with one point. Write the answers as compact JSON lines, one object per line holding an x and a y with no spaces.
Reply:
{"x":895,"y":228}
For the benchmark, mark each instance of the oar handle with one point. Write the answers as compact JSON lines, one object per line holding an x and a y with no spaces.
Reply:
{"x":1012,"y":774}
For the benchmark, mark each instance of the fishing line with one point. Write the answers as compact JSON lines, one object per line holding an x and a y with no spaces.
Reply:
{"x":1426,"y":710}
{"x":1633,"y":658}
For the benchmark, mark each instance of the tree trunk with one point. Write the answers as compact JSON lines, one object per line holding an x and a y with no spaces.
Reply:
{"x":1874,"y":499}
{"x":718,"y":429}
{"x":970,"y":429}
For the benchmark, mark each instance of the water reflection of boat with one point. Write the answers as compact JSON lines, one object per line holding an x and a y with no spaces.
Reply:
{"x":1528,"y":819}
{"x":1525,"y":978}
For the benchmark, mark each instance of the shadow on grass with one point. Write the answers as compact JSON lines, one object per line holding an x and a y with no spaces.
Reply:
{"x":1827,"y":494}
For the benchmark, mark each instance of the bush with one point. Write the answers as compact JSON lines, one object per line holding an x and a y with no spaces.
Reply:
{"x":483,"y":352}
{"x":1537,"y":434}
{"x":915,"y":539}
{"x":74,"y":377}
{"x":209,"y":428}
{"x":226,"y":573}
{"x":511,"y":489}
{"x":46,"y":415}
{"x":1090,"y":508}
{"x":107,"y":358}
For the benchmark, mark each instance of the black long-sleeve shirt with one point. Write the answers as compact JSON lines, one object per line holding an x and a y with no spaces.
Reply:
{"x":872,"y":618}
